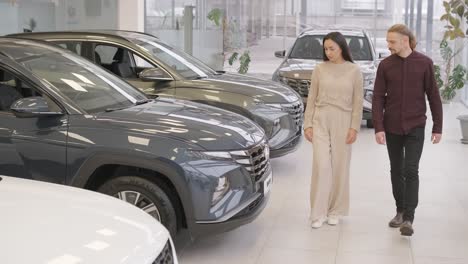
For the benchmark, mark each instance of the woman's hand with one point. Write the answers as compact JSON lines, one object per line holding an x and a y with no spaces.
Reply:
{"x":352,"y":135}
{"x":309,"y":133}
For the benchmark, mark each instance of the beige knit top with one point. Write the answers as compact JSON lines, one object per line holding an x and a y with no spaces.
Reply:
{"x":338,"y":85}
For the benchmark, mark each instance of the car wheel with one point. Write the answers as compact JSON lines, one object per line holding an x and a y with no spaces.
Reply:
{"x":145,"y":195}
{"x":369,"y":123}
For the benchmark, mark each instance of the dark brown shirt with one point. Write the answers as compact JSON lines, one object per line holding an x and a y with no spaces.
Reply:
{"x":399,"y":102}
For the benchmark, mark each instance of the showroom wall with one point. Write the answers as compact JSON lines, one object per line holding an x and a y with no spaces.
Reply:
{"x":248,"y":22}
{"x":44,"y":15}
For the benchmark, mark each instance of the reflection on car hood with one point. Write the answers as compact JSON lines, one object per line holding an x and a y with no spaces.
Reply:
{"x":209,"y":127}
{"x":267,"y":91}
{"x":51,"y":223}
{"x":302,"y":69}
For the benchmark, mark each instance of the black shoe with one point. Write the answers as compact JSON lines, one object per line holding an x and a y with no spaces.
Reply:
{"x":396,"y":221}
{"x":406,"y":229}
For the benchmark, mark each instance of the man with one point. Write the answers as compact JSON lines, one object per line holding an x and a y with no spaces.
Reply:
{"x":399,"y":115}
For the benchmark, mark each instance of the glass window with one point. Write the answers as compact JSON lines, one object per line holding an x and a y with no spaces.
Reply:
{"x":141,"y":63}
{"x":105,"y":54}
{"x":13,"y":89}
{"x":310,"y":47}
{"x":186,"y":65}
{"x":90,"y":87}
{"x":73,"y":46}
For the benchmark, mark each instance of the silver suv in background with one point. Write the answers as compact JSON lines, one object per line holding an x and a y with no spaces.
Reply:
{"x":307,"y":51}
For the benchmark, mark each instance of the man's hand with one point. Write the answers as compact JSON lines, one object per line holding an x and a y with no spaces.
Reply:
{"x":309,"y":133}
{"x":436,"y":138}
{"x":380,"y":138}
{"x":352,"y":135}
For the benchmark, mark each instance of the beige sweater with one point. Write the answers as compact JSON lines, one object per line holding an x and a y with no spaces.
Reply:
{"x":338,"y":85}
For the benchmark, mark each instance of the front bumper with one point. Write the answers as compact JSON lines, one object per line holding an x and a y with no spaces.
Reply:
{"x":251,"y":213}
{"x":246,"y":173}
{"x":286,"y":137}
{"x":289,"y":146}
{"x":243,"y":214}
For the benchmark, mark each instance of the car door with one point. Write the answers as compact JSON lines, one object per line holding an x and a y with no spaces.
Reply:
{"x":128,"y":65}
{"x":33,"y":148}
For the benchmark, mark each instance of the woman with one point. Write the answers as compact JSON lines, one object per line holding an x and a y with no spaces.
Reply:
{"x":332,"y":121}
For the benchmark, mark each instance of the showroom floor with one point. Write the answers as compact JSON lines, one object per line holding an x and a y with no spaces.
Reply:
{"x":282,"y":233}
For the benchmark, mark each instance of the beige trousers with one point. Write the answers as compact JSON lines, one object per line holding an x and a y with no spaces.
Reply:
{"x":329,"y":192}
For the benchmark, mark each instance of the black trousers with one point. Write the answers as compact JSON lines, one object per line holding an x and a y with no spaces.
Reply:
{"x":405,"y":152}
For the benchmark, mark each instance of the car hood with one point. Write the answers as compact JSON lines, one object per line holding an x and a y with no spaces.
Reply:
{"x":264,"y":90}
{"x":208,"y":127}
{"x":302,"y":69}
{"x":51,"y":223}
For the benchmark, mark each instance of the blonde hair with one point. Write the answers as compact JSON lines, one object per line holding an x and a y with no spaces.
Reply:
{"x":405,"y":31}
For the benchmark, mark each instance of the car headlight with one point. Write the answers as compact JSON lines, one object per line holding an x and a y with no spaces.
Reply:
{"x":368,"y":94}
{"x":210,"y":155}
{"x":368,"y":80}
{"x":221,"y":189}
{"x":276,"y":127}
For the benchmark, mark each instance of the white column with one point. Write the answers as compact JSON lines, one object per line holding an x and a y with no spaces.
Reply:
{"x":274,"y":18}
{"x":131,"y":15}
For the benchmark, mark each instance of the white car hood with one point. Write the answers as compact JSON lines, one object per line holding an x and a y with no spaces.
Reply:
{"x":54,"y":224}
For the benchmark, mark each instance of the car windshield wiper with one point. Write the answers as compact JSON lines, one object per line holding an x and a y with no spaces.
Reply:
{"x":220,"y":72}
{"x":143,"y":101}
{"x":200,"y":77}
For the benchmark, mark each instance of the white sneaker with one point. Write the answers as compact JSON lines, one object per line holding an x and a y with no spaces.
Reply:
{"x":333,"y":220}
{"x":318,"y":223}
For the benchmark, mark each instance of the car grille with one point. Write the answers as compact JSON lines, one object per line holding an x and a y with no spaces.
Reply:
{"x":300,"y":86}
{"x":296,"y":110}
{"x":165,"y":257}
{"x":255,"y":160}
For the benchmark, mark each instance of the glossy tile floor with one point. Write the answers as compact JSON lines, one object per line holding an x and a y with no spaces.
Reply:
{"x":282,"y":233}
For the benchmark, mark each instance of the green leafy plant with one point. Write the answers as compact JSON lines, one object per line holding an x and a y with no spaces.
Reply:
{"x":244,"y":61}
{"x":215,"y":15}
{"x":218,"y":17}
{"x":456,"y":13}
{"x":233,"y":58}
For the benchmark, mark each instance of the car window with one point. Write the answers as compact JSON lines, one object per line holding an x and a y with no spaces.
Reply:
{"x":13,"y":89}
{"x":310,"y":47}
{"x":73,"y":46}
{"x":186,"y":65}
{"x":87,"y":85}
{"x":142,"y":63}
{"x":105,"y":54}
{"x":118,"y":60}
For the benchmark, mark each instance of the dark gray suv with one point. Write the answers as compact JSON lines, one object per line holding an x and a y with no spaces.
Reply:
{"x":65,"y":120}
{"x":158,"y":69}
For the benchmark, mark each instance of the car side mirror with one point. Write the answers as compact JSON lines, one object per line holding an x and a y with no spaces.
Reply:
{"x":29,"y":107}
{"x":280,"y":54}
{"x":154,"y":74}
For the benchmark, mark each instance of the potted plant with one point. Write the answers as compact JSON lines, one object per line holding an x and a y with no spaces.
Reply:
{"x":218,"y":17}
{"x":456,"y":14}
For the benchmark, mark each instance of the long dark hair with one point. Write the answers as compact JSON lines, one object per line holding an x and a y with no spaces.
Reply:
{"x":339,"y":39}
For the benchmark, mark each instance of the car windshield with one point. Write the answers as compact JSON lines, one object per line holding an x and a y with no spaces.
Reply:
{"x":310,"y":47}
{"x":186,"y":65}
{"x":90,"y":87}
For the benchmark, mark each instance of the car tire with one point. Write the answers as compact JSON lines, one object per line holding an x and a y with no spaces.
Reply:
{"x":369,"y":123}
{"x":128,"y":187}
